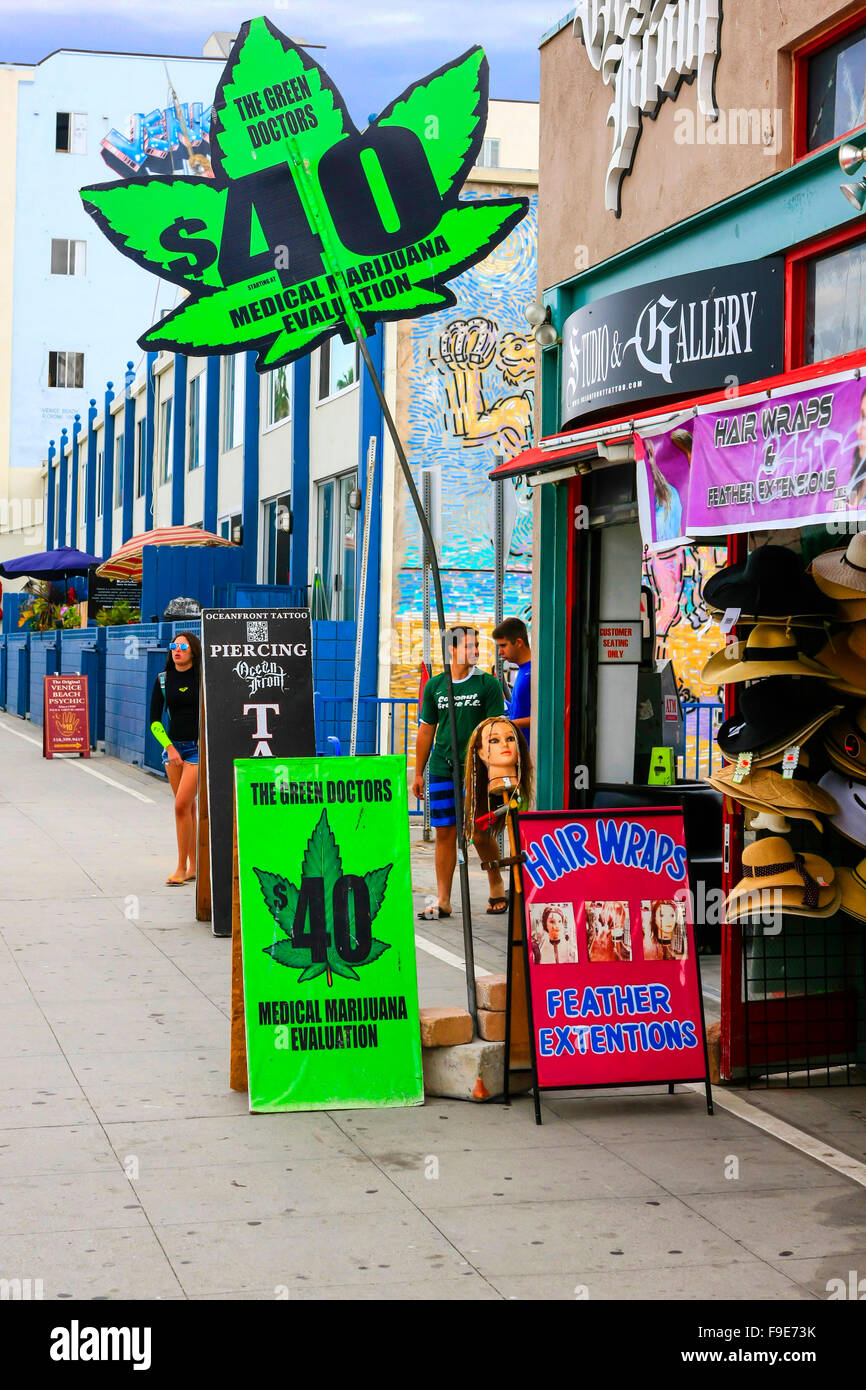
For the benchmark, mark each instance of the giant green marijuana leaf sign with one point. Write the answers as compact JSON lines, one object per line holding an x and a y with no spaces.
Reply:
{"x":311,"y":227}
{"x":328,"y":918}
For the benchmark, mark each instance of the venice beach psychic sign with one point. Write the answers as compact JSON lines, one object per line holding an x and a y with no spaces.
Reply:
{"x":330,"y":985}
{"x":66,"y":718}
{"x":309,"y":225}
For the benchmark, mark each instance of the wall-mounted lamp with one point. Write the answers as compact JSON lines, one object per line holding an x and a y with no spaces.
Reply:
{"x":237,"y":533}
{"x":850,"y":157}
{"x":539,"y":319}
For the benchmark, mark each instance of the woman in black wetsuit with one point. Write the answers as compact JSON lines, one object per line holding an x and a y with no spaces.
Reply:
{"x":178,"y":689}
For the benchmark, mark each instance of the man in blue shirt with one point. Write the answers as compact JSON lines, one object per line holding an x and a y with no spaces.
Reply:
{"x":512,"y":641}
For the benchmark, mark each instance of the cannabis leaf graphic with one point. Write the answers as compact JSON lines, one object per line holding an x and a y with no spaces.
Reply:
{"x":309,"y":226}
{"x":327,"y":919}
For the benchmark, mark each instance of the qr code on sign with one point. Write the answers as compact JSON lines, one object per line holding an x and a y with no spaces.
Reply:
{"x":257,"y":632}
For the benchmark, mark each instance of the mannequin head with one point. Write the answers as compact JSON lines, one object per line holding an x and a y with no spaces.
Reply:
{"x":497,"y":763}
{"x":499,"y":751}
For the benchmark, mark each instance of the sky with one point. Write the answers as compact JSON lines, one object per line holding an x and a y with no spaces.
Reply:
{"x":373,"y":48}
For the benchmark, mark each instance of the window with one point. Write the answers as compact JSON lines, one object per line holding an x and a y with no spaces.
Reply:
{"x":279,"y":389}
{"x":82,"y":492}
{"x":338,"y":367}
{"x":231,"y":528}
{"x":165,"y":440}
{"x":335,"y":550}
{"x":139,"y":458}
{"x":835,"y":303}
{"x":277,"y":538}
{"x":489,"y":157}
{"x":66,"y":369}
{"x":118,"y":469}
{"x":99,"y":482}
{"x":233,"y":403}
{"x":67,"y":257}
{"x":196,"y":423}
{"x":835,"y":86}
{"x":71,"y":132}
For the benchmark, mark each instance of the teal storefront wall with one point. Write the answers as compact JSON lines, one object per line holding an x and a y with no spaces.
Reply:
{"x":789,"y":209}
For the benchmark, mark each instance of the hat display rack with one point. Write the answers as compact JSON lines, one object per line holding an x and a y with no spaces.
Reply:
{"x":794,"y":764}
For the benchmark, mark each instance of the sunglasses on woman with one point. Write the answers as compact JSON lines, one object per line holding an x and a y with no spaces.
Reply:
{"x":178,"y":646}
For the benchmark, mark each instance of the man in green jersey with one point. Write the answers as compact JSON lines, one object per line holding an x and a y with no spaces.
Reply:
{"x":476,"y":697}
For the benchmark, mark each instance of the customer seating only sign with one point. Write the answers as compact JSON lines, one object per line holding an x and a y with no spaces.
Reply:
{"x":614,"y":982}
{"x":327,"y":933}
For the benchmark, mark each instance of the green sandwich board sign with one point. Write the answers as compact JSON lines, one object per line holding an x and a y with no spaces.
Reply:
{"x":327,"y":933}
{"x":309,"y":226}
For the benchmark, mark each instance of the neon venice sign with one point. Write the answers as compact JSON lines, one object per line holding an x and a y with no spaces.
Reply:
{"x":645,"y":49}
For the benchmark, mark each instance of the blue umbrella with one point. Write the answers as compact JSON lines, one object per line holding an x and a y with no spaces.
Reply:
{"x":49,"y":564}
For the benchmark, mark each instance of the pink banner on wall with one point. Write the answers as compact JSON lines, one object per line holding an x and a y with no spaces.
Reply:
{"x":792,"y":460}
{"x":613,"y":973}
{"x":664,"y":474}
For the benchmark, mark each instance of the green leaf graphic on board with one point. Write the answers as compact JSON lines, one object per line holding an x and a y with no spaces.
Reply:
{"x":190,"y":214}
{"x":310,"y":227}
{"x":298,"y":82}
{"x":328,"y":916}
{"x":445,"y":112}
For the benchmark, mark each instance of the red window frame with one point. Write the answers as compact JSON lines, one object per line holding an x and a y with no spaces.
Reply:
{"x":795,"y":289}
{"x":801,"y":83}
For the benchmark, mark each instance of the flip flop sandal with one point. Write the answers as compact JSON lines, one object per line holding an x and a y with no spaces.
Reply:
{"x":430,"y":916}
{"x":493,"y":910}
{"x":175,"y":882}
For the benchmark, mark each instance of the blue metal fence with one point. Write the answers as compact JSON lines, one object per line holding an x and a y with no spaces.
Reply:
{"x":260,"y":596}
{"x":18,"y":673}
{"x":385,"y":725}
{"x":702,"y":757}
{"x":43,"y":662}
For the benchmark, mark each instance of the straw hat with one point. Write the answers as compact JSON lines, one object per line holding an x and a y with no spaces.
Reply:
{"x":764,"y":790}
{"x":850,"y":610}
{"x":845,"y":742}
{"x":845,"y":656}
{"x":850,"y":796}
{"x":769,"y":584}
{"x":775,"y":713}
{"x":852,"y":883}
{"x":842,"y":573}
{"x":775,"y":879}
{"x":767,"y":651}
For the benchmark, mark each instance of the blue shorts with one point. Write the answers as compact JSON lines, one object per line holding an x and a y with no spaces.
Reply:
{"x":441,"y":801}
{"x":188,"y":750}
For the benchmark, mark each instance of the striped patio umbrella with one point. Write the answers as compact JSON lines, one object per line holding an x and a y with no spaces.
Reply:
{"x":125,"y":563}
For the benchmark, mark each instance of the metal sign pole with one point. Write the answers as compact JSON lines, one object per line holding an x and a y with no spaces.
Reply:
{"x":457,"y":770}
{"x":426,"y":644}
{"x":498,"y":558}
{"x":362,"y":591}
{"x":309,"y":195}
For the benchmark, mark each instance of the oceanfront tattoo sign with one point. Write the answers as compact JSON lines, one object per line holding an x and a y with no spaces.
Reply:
{"x":258,"y":701}
{"x":646,"y":49}
{"x":310,"y":226}
{"x":685,"y":334}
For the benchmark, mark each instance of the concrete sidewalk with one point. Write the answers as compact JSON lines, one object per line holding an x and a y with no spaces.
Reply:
{"x":128,"y":1169}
